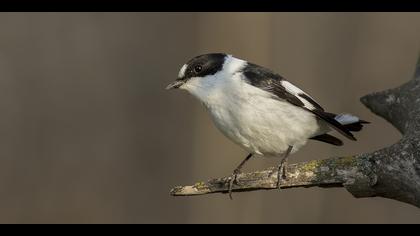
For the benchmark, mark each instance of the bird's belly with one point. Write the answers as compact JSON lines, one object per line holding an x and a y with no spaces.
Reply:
{"x":265,"y":126}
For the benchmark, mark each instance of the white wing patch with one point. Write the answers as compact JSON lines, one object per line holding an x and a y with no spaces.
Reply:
{"x":295,"y":91}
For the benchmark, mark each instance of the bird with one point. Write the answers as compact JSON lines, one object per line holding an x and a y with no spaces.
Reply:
{"x":260,"y":110}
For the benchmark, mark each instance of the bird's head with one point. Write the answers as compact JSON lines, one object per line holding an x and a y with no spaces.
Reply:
{"x":198,"y":70}
{"x":204,"y":73}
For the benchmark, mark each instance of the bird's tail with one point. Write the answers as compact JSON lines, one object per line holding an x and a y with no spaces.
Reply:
{"x":352,"y":123}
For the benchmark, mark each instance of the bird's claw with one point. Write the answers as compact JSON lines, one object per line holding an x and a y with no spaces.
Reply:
{"x":232,"y":179}
{"x":281,"y":174}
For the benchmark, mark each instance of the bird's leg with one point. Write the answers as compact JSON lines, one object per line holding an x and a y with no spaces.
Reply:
{"x":281,"y":170}
{"x":236,"y":172}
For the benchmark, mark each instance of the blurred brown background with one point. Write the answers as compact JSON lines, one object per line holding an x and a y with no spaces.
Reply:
{"x":89,"y":135}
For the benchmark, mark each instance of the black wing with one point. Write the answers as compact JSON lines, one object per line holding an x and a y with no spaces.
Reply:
{"x":271,"y":82}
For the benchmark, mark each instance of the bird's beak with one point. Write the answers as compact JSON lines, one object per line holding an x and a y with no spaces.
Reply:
{"x":176,"y":84}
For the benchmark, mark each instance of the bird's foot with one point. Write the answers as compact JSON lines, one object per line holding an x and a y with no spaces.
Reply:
{"x":232,"y":179}
{"x":281,"y":173}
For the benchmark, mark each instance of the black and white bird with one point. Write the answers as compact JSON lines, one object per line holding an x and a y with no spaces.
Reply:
{"x":260,"y":110}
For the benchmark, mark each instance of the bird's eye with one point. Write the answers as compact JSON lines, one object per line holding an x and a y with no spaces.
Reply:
{"x":197,"y":69}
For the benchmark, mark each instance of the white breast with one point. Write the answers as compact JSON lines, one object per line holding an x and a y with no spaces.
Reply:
{"x":253,"y":119}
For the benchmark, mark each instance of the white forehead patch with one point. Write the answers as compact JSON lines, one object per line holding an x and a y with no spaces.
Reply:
{"x":182,"y":71}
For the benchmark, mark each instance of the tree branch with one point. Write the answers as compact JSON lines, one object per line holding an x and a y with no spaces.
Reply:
{"x":334,"y":172}
{"x":392,"y":172}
